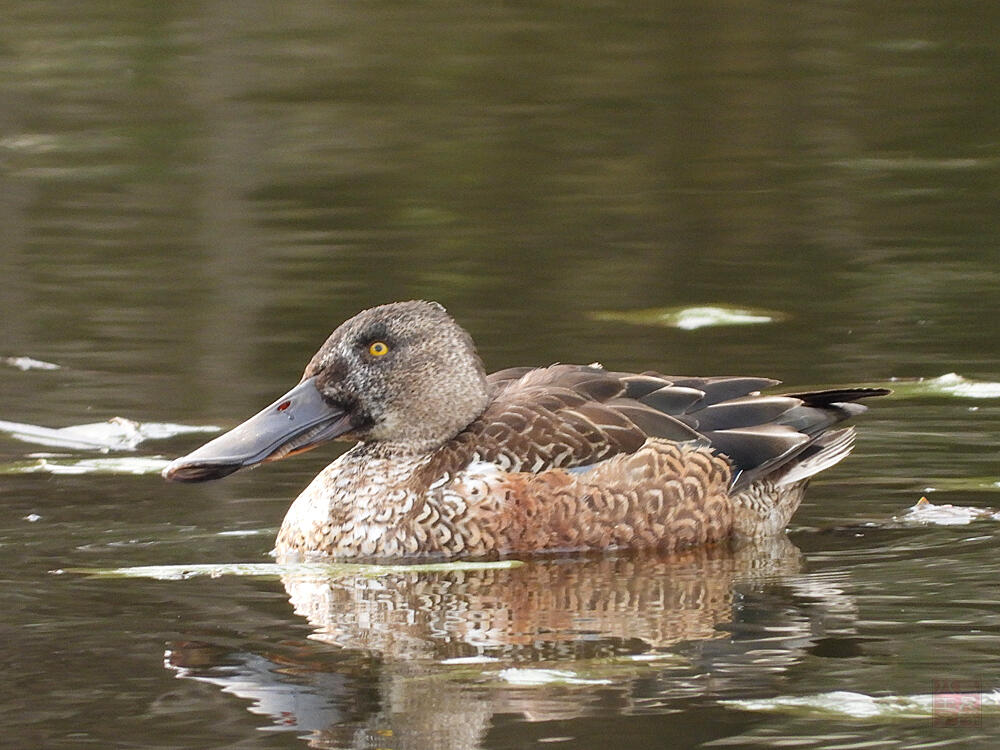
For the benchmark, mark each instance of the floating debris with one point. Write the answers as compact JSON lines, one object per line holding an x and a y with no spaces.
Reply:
{"x":131,"y":465}
{"x":949,"y":384}
{"x":691,"y":318}
{"x":535,"y":677}
{"x":927,"y":513}
{"x":655,"y":656}
{"x":851,"y":705}
{"x":470,"y":660}
{"x":27,"y":363}
{"x":117,"y":434}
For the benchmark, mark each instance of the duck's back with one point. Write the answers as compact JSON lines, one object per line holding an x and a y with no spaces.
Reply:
{"x":573,"y":416}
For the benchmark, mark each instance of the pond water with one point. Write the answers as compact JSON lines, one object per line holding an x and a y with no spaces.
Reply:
{"x":193,"y":194}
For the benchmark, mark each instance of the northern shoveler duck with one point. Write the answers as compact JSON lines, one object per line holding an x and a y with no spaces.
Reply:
{"x":452,"y":462}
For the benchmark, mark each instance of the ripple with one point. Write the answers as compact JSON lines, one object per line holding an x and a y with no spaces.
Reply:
{"x":275,"y":570}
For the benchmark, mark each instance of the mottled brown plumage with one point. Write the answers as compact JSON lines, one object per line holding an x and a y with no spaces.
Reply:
{"x":452,"y":462}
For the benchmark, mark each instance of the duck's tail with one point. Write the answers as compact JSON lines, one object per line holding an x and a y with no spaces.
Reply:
{"x":829,"y":449}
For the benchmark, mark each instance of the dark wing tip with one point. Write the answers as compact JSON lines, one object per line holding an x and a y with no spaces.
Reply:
{"x":839,"y":395}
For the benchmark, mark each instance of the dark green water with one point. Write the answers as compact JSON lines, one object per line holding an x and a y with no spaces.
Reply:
{"x":193,"y":194}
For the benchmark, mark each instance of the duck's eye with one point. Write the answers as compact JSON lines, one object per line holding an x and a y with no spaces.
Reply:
{"x":378,"y":349}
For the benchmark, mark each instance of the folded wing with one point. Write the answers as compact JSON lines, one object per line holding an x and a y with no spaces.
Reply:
{"x":570,"y":416}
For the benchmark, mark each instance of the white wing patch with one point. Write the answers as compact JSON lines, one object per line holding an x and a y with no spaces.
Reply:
{"x":480,"y":470}
{"x":838,"y":444}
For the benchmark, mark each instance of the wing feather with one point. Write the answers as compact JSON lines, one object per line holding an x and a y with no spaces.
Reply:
{"x":567,"y":416}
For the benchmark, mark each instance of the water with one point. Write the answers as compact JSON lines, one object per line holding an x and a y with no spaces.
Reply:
{"x":194,"y":194}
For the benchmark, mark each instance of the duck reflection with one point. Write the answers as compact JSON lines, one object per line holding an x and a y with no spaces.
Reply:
{"x":547,"y":609}
{"x":427,"y":659}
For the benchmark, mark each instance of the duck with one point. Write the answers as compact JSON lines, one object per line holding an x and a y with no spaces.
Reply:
{"x":451,"y":462}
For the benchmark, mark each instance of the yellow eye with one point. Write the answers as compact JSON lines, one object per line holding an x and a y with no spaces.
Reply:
{"x":378,"y":349}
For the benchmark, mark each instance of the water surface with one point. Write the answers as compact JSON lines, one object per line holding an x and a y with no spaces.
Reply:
{"x":194,"y":194}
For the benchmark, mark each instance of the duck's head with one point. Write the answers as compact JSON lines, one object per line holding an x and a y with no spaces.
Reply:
{"x":403,"y":374}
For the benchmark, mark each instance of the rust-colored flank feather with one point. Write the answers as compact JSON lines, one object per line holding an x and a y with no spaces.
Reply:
{"x":451,"y":462}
